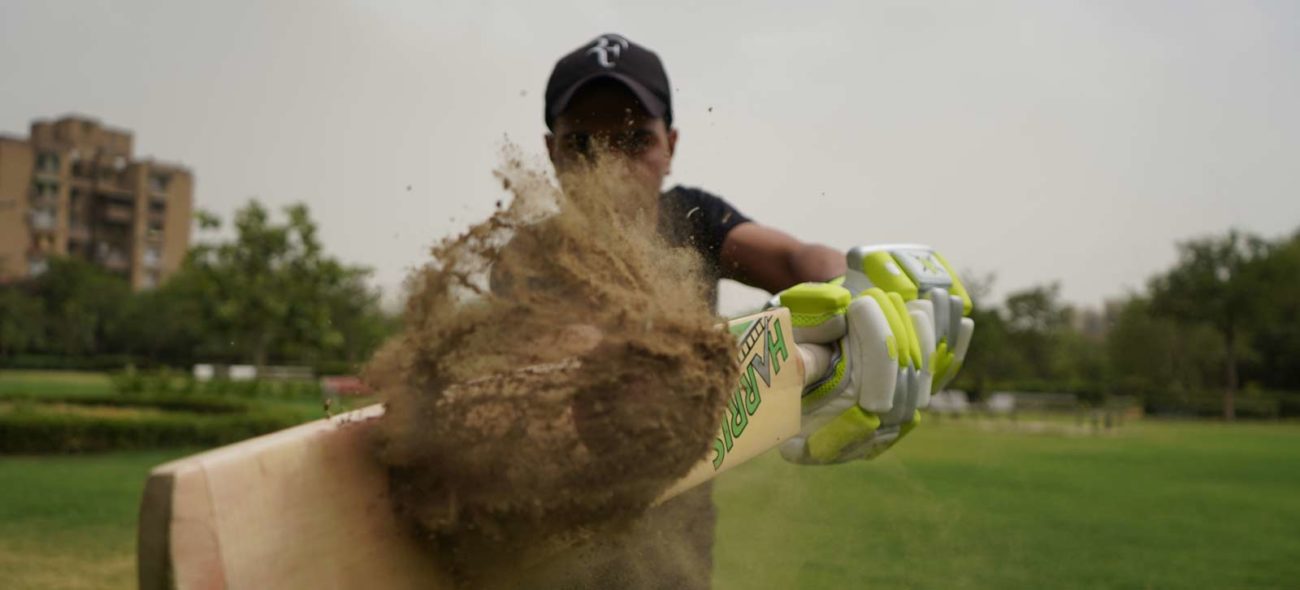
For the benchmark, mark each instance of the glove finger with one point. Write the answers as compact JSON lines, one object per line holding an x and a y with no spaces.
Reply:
{"x":923,"y":319}
{"x":963,"y":340}
{"x":875,"y":353}
{"x":913,"y":346}
{"x":922,"y":315}
{"x":795,"y":449}
{"x":939,"y":302}
{"x":958,"y":352}
{"x":954,"y":320}
{"x":850,"y":428}
{"x":904,"y":399}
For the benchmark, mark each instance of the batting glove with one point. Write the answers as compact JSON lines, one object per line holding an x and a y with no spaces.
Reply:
{"x":896,"y":328}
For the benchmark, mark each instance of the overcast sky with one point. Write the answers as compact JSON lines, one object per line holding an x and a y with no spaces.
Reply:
{"x":1043,"y":141}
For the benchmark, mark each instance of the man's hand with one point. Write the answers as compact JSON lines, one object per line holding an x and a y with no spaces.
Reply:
{"x":896,"y":328}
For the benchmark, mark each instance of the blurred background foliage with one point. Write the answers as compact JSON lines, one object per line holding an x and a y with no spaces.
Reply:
{"x":1216,"y":334}
{"x":265,"y":293}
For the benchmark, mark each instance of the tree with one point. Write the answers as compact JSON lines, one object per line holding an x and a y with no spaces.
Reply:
{"x":1165,"y":362}
{"x":273,"y":291}
{"x":22,"y":322}
{"x":1276,"y":329}
{"x":83,"y":306}
{"x":1036,"y":320}
{"x":1208,"y":285}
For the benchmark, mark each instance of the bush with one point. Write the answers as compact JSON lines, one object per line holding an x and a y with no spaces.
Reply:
{"x":1249,"y":403}
{"x":35,"y":425}
{"x":37,"y":431}
{"x":53,"y":362}
{"x":171,"y":403}
{"x":335,"y":368}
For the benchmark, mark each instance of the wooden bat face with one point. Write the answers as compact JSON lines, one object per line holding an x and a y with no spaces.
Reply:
{"x":308,"y":506}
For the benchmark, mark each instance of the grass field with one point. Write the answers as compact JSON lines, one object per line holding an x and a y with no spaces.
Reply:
{"x":69,"y":521}
{"x":54,"y":382}
{"x":1158,"y":505}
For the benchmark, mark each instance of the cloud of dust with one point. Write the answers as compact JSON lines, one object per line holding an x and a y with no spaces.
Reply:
{"x":560,"y":366}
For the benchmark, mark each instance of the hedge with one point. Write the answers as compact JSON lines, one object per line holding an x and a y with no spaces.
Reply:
{"x":33,"y":426}
{"x":51,"y":432}
{"x":198,"y":404}
{"x":53,"y":362}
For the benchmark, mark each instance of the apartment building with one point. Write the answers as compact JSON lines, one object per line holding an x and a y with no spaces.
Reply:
{"x":74,"y":188}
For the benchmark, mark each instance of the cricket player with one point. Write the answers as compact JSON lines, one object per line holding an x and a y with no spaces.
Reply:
{"x":613,"y":92}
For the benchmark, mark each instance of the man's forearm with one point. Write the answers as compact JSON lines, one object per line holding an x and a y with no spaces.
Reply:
{"x":772,"y":260}
{"x":815,"y":262}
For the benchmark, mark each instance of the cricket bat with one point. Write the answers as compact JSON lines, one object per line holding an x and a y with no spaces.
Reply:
{"x":307,"y":507}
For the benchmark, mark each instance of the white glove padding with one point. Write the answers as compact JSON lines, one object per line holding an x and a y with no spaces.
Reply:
{"x":921,"y":276}
{"x":886,"y":349}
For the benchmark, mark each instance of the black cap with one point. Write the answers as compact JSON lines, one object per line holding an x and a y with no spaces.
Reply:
{"x":610,"y":57}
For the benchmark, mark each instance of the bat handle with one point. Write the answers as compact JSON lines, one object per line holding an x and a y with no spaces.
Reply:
{"x":817,"y":360}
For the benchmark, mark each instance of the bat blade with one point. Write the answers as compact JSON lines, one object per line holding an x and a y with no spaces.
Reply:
{"x":308,"y":507}
{"x":764,"y":409}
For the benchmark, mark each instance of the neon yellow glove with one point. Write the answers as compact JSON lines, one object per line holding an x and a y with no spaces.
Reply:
{"x":895,"y":328}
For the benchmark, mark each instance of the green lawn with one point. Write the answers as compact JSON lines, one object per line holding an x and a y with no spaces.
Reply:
{"x":1158,"y":505}
{"x":54,"y":382}
{"x":69,"y":521}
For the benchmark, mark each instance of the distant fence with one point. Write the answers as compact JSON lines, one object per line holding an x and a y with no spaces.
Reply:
{"x":1114,"y":411}
{"x":208,"y":372}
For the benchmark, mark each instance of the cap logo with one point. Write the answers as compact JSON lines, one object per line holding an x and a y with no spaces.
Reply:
{"x":607,"y":49}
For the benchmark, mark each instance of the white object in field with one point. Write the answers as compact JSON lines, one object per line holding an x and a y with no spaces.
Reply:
{"x":204,"y":372}
{"x":242,"y":372}
{"x":952,"y":401}
{"x":1001,"y":403}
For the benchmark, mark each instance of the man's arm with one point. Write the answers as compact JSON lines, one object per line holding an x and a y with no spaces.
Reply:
{"x":767,"y":258}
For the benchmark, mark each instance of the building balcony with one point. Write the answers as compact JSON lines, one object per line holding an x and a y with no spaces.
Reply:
{"x":115,"y":261}
{"x":151,"y":259}
{"x":111,"y":188}
{"x":43,"y":220}
{"x":43,"y":201}
{"x":80,"y":233}
{"x":117,"y":214}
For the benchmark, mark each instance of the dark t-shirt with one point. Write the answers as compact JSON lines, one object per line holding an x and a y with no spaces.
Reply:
{"x":690,"y":217}
{"x":670,"y":546}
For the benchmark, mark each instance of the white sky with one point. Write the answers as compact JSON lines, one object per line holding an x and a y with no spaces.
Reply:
{"x":1071,"y":141}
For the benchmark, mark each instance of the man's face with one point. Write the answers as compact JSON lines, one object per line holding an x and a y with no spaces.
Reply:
{"x":606,"y":115}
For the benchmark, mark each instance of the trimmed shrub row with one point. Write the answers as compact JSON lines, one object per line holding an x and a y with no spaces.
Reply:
{"x":54,"y":362}
{"x":51,"y":432}
{"x":196,"y":404}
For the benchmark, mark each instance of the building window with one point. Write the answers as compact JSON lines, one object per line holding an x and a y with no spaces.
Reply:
{"x":158,"y":182}
{"x":47,"y":162}
{"x":46,"y":188}
{"x":37,"y":267}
